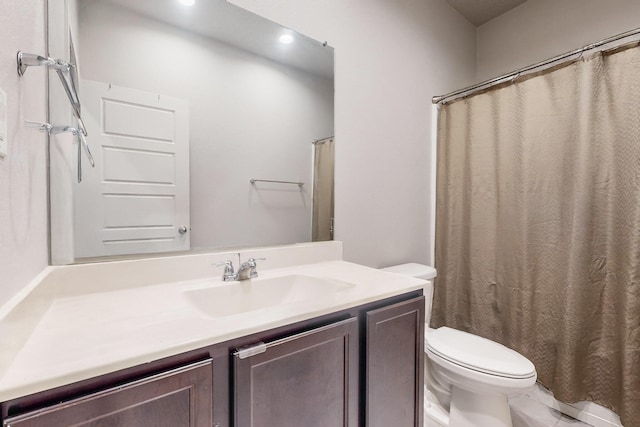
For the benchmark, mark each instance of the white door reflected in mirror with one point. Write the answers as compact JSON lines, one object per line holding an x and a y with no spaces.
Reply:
{"x":138,"y":194}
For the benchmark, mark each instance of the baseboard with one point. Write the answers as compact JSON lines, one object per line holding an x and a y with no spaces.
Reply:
{"x":587,"y":412}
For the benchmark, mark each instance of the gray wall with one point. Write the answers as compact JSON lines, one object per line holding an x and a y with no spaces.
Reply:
{"x":23,"y":191}
{"x":541,"y":29}
{"x":391,"y":58}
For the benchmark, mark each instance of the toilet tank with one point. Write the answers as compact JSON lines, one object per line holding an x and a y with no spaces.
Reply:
{"x":419,"y":271}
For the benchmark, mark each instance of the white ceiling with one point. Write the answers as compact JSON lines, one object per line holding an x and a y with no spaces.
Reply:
{"x":223,"y":21}
{"x":480,"y":11}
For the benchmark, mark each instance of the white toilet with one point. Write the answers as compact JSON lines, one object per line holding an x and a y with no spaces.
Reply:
{"x":468,"y":378}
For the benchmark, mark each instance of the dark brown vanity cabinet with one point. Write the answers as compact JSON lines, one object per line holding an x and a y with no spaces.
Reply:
{"x":177,"y":398}
{"x":357,"y":367}
{"x":395,"y":365}
{"x":309,"y":379}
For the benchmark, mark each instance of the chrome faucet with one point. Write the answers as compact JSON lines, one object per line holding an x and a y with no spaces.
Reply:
{"x":246,"y":271}
{"x":229,"y":273}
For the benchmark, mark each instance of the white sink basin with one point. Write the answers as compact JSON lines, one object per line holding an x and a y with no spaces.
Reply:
{"x":256,"y":294}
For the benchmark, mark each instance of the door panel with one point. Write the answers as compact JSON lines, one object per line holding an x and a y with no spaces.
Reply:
{"x":137,"y":197}
{"x":310,"y":380}
{"x":122,"y":210}
{"x":179,"y":398}
{"x":136,"y":166}
{"x":395,"y":365}
{"x":151,"y":122}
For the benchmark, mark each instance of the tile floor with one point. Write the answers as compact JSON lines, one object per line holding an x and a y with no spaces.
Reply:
{"x":526,"y":412}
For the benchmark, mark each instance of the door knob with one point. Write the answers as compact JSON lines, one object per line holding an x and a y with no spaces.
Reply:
{"x":183,"y":229}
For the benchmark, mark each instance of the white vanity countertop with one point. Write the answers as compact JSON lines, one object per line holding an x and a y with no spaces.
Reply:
{"x":80,"y":336}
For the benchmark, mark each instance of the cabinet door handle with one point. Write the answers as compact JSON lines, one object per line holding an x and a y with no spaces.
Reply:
{"x":251,"y":350}
{"x":261,"y":347}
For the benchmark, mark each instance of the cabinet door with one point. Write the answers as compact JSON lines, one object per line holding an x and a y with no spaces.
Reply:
{"x":181,"y":397}
{"x":309,"y":379}
{"x":395,"y":365}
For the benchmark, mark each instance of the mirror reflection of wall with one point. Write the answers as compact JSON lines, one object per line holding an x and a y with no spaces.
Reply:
{"x":248,"y":116}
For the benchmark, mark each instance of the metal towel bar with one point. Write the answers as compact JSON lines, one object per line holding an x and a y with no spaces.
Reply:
{"x":253,"y":181}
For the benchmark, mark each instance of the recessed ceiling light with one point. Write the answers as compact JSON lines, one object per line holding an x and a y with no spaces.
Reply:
{"x":187,"y":2}
{"x":286,"y":39}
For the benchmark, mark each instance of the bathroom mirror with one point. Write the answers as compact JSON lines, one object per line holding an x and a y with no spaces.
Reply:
{"x":211,"y":127}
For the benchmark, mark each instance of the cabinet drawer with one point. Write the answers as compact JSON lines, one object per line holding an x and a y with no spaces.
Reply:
{"x":180,"y":397}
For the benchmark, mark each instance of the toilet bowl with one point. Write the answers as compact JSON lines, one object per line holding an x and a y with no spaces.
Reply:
{"x":468,"y":377}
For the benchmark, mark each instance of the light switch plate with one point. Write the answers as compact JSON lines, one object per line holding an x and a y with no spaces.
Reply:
{"x":4,"y":144}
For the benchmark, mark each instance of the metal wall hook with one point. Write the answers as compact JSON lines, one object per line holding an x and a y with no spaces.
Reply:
{"x":42,"y":127}
{"x":82,"y":141}
{"x":63,"y":69}
{"x":26,"y":60}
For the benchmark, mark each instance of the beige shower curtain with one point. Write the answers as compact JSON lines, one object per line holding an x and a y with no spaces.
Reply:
{"x":323,"y":169}
{"x":538,"y":225}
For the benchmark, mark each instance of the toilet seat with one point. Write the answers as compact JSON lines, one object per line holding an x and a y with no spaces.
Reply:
{"x":479,"y":354}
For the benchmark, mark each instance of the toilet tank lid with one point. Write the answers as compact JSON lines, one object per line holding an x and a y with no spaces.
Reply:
{"x":413,"y":269}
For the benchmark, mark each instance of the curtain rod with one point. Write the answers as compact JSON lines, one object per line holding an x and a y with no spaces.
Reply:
{"x":501,"y":79}
{"x":322,"y":140}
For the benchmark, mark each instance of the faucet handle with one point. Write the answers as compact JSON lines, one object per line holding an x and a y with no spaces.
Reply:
{"x":250,"y":266}
{"x":229,"y":272}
